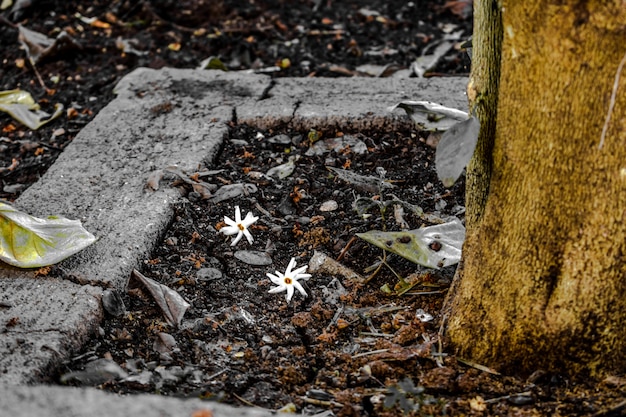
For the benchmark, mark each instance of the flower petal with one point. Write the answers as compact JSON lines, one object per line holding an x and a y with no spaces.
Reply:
{"x":229,"y":230}
{"x":237,"y":215}
{"x":297,"y":285}
{"x":250,"y":219}
{"x":237,"y":239}
{"x":289,"y":292}
{"x":277,"y":289}
{"x":299,"y":272}
{"x":248,"y":236}
{"x":292,"y":263}
{"x":278,"y":280}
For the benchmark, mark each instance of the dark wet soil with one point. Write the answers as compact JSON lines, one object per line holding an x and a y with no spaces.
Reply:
{"x":357,"y":344}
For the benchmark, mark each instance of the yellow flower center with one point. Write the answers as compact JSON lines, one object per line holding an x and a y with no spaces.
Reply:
{"x":288,"y":281}
{"x":241,"y":227}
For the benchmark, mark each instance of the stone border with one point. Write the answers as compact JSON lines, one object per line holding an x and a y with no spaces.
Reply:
{"x":159,"y":118}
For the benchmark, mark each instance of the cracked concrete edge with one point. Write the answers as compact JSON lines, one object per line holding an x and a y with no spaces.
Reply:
{"x":42,"y":321}
{"x":100,"y":179}
{"x":348,"y":104}
{"x":21,"y":401}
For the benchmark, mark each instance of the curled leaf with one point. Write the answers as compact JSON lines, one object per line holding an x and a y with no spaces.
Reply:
{"x":455,"y":150}
{"x":38,"y":46}
{"x":431,"y":115}
{"x":171,"y":303}
{"x":213,"y":63}
{"x":22,"y":107}
{"x":284,"y":170}
{"x":31,"y":242}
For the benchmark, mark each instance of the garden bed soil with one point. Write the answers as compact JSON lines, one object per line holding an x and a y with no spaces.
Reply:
{"x":353,"y":345}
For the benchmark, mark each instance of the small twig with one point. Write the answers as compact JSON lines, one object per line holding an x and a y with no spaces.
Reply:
{"x":345,"y":248}
{"x":384,"y":262}
{"x":246,"y":402}
{"x":506,"y":397}
{"x":605,"y":128}
{"x":321,"y":402}
{"x":477,"y":366}
{"x":375,"y":334}
{"x":439,"y":356}
{"x":372,"y":352}
{"x":426,"y":292}
{"x":7,"y":22}
{"x":335,"y":318}
{"x":148,"y":8}
{"x":32,"y":64}
{"x":215,"y":375}
{"x":368,"y":279}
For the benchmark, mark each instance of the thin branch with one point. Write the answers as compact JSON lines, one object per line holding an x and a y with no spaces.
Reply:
{"x":612,"y":103}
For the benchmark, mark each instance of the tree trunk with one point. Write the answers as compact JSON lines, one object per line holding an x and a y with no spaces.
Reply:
{"x":543,"y":281}
{"x":482,"y":92}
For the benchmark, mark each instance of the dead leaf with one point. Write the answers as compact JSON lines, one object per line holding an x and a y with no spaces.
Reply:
{"x":38,"y":46}
{"x":171,"y":303}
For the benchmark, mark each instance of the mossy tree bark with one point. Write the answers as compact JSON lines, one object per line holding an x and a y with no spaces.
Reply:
{"x":543,"y":281}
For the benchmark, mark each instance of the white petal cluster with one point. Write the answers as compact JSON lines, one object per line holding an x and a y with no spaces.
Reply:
{"x":239,"y":227}
{"x":289,"y":280}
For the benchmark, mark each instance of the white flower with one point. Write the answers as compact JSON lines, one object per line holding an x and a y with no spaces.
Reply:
{"x":238,"y":226}
{"x":289,"y":280}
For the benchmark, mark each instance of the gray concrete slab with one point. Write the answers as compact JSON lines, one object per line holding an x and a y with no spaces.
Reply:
{"x":48,"y":401}
{"x":159,"y":118}
{"x":42,"y":321}
{"x":348,"y":103}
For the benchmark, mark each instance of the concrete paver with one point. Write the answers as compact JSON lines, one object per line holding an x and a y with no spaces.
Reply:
{"x":159,"y":118}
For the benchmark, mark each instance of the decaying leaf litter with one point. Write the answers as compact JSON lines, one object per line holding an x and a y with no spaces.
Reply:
{"x":366,"y":338}
{"x":68,"y":55}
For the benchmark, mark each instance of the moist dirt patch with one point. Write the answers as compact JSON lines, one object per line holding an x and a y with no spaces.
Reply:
{"x":353,"y":345}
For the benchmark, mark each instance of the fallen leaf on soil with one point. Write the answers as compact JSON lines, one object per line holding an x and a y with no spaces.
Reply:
{"x":431,"y":115}
{"x":96,"y":372}
{"x":22,"y":107}
{"x":366,"y":183}
{"x":338,"y":144}
{"x":172,"y":304}
{"x":253,"y":257}
{"x":31,"y":242}
{"x":212,"y":63}
{"x":284,"y":170}
{"x":433,"y":246}
{"x":38,"y":46}
{"x":227,"y":192}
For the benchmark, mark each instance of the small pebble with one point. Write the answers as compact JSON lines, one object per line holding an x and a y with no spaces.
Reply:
{"x":330,"y":205}
{"x":208,"y":274}
{"x":281,"y":139}
{"x":253,"y":257}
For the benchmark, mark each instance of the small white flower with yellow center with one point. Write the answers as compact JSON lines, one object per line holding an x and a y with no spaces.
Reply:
{"x":238,"y":226}
{"x":289,"y":280}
